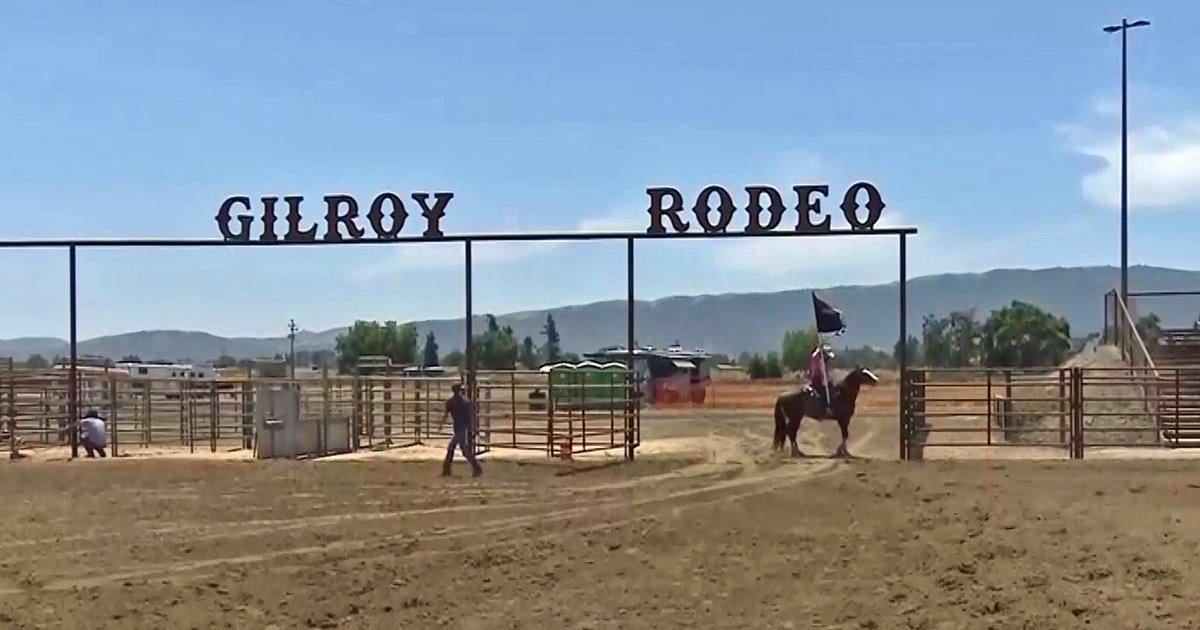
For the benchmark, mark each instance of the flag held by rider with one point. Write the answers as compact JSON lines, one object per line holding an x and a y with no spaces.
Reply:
{"x":829,"y":319}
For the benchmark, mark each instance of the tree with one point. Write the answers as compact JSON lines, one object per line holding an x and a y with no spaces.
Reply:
{"x":1149,"y":328}
{"x":131,"y":358}
{"x":745,"y":358}
{"x":225,"y":361}
{"x":529,"y":357}
{"x":756,"y":367}
{"x":497,"y":348}
{"x":552,"y":349}
{"x":429,"y":356}
{"x":965,"y":335}
{"x":397,"y":342}
{"x":37,"y":362}
{"x":454,"y":358}
{"x":1023,"y":335}
{"x":797,"y":348}
{"x":772,"y":367}
{"x":913,"y":351}
{"x":935,"y":342}
{"x":865,"y":356}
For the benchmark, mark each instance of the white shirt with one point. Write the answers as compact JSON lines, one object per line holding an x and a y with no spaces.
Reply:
{"x":93,"y":430}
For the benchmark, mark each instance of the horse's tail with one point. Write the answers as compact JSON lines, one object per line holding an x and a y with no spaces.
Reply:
{"x":780,"y":423}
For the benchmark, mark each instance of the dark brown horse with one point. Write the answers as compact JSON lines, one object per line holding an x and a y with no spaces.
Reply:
{"x":793,"y":406}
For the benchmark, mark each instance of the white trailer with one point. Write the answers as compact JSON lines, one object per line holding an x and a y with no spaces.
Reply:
{"x":168,"y":371}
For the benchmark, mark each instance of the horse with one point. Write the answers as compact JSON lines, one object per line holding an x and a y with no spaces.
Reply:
{"x":793,"y":406}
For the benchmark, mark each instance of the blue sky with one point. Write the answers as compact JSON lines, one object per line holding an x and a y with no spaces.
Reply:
{"x":993,"y":127}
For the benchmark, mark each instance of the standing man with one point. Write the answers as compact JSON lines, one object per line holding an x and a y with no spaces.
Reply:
{"x":458,"y":407}
{"x":93,"y":434}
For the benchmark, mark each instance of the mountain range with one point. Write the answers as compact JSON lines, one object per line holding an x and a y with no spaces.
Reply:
{"x":728,"y":323}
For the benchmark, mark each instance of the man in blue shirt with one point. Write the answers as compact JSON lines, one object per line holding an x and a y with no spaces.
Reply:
{"x":458,"y":407}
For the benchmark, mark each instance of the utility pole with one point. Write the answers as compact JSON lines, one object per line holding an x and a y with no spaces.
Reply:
{"x":1123,"y":29}
{"x":292,"y":348}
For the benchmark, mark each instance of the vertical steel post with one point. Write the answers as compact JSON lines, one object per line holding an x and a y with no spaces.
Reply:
{"x":469,"y":353}
{"x":1124,"y":170}
{"x":73,"y":373}
{"x":905,"y":420}
{"x":630,"y":439}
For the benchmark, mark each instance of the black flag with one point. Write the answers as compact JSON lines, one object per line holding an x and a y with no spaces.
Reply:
{"x":829,"y":319}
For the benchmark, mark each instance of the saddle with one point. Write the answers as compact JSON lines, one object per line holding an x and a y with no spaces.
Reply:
{"x":818,"y":396}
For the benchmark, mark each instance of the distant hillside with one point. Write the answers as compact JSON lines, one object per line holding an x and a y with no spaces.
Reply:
{"x":723,"y":323}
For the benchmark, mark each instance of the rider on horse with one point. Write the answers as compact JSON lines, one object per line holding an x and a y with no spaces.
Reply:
{"x":818,"y":371}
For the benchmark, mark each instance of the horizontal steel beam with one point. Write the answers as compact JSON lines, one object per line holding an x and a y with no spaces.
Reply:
{"x":464,"y":238}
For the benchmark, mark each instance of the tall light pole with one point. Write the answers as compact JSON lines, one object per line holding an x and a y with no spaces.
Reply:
{"x":292,"y":348}
{"x":1124,"y":28}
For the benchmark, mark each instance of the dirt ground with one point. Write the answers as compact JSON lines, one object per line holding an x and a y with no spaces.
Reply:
{"x":708,"y":529}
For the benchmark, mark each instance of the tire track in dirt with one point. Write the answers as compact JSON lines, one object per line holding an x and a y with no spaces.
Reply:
{"x":732,"y":489}
{"x":742,"y":453}
{"x":738,"y":453}
{"x":226,"y":533}
{"x":198,"y":532}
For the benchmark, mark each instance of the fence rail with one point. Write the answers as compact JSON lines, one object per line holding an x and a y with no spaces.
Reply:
{"x":1065,"y":409}
{"x":514,"y":409}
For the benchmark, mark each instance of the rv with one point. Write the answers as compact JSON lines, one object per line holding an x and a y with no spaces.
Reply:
{"x":167,"y":371}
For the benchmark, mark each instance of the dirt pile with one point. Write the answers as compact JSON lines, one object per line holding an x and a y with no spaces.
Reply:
{"x":1116,"y":405}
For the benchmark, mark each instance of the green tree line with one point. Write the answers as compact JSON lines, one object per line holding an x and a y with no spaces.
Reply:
{"x":795,"y":351}
{"x":496,"y":348}
{"x":1019,"y":335}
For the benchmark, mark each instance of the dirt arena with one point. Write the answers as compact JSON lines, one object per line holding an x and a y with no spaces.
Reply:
{"x":708,"y":529}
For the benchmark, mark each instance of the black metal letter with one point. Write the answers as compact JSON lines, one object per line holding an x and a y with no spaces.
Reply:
{"x":657,"y":210}
{"x":755,"y":207}
{"x":399,"y":215}
{"x":268,"y":219}
{"x":333,"y":231}
{"x":874,"y":206}
{"x":726,"y":209}
{"x":244,"y":220}
{"x":809,"y":206}
{"x":433,"y":216}
{"x":294,"y":232}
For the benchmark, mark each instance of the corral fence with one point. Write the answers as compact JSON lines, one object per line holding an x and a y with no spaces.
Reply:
{"x":523,"y":410}
{"x":1057,"y":412}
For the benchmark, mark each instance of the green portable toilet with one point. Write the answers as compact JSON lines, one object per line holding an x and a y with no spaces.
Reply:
{"x":561,"y":377}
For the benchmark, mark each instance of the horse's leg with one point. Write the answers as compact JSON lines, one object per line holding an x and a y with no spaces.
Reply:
{"x":844,"y":425}
{"x":792,"y":429}
{"x":780,"y":427}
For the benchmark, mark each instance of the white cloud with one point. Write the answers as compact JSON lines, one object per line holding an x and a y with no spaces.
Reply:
{"x":1164,"y":159}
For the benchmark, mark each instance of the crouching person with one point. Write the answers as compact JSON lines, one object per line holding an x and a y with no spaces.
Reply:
{"x":93,"y":434}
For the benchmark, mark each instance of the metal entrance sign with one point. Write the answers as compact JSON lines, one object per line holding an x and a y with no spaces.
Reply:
{"x":667,"y":203}
{"x":386,"y":218}
{"x":714,"y":210}
{"x":280,"y":222}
